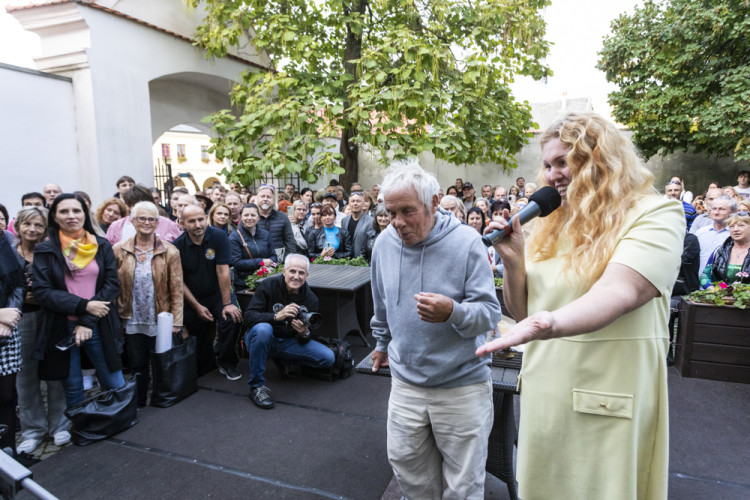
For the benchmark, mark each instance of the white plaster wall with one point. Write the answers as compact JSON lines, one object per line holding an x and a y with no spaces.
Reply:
{"x":175,"y":16}
{"x":37,"y":124}
{"x":123,"y":60}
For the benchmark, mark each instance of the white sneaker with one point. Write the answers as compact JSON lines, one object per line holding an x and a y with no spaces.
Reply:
{"x":28,"y":445}
{"x":61,"y":438}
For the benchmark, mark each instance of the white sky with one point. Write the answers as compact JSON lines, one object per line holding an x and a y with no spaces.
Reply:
{"x":576,"y":28}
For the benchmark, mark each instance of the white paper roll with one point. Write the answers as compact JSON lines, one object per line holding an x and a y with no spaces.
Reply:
{"x":164,"y":332}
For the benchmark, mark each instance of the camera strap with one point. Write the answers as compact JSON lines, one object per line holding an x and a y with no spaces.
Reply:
{"x":239,"y":230}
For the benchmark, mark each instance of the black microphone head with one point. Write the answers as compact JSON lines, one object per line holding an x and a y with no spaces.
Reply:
{"x":548,"y":200}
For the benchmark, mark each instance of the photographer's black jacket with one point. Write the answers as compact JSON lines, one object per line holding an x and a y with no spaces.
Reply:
{"x":273,"y":291}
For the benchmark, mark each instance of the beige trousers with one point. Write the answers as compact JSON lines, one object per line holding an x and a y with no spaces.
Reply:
{"x":437,"y":439}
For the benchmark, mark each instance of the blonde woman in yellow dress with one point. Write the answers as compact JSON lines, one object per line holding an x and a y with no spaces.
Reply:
{"x":590,"y":290}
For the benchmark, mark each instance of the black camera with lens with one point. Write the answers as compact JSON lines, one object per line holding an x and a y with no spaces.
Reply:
{"x":313,"y":320}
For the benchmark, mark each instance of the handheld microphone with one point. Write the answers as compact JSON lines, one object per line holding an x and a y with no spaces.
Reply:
{"x":541,"y":203}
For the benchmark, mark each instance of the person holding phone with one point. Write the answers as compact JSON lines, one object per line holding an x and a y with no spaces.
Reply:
{"x":75,"y":282}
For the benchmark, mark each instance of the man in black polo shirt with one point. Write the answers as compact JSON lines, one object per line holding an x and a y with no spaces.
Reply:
{"x":206,"y":256}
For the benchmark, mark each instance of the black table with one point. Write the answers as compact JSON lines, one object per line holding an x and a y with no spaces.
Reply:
{"x":338,"y":288}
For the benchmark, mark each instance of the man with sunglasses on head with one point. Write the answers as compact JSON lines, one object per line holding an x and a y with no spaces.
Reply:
{"x":673,"y":190}
{"x":357,"y":225}
{"x":273,"y":221}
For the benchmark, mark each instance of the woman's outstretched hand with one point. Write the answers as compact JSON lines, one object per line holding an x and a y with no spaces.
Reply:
{"x":536,"y":327}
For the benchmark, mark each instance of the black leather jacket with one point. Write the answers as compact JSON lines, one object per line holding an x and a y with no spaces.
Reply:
{"x":721,"y":261}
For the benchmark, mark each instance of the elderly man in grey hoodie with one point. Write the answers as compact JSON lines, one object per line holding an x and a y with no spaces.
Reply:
{"x":428,"y":324}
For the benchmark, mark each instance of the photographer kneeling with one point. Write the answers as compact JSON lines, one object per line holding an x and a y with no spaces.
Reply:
{"x":278,"y":330}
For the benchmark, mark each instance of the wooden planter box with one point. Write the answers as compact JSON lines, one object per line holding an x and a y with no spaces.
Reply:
{"x":713,"y":342}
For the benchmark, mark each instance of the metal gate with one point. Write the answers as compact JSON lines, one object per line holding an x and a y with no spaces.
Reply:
{"x":163,"y":178}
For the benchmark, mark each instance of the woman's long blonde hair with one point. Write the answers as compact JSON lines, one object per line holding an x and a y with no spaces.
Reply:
{"x":607,"y":178}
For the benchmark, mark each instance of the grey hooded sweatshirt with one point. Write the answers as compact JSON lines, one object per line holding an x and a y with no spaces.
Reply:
{"x":451,"y":261}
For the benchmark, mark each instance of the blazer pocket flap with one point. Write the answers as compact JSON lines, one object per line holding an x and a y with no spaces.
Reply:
{"x":608,"y":404}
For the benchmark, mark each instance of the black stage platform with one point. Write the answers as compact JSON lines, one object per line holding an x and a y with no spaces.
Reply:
{"x":328,"y":440}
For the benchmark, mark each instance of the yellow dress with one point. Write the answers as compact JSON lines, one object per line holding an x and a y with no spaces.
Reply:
{"x":594,"y":407}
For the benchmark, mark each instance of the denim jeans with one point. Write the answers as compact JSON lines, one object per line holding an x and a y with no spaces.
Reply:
{"x":36,"y":421}
{"x":74,"y":383}
{"x":262,"y":344}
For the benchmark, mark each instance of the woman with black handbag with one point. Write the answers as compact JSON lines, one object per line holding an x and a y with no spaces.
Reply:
{"x":75,"y":282}
{"x":150,"y":276}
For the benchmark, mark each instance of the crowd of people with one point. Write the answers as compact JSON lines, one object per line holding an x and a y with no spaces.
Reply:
{"x":93,"y":279}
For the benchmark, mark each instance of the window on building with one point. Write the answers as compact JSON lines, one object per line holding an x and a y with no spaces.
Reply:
{"x":180,"y":151}
{"x":165,"y":151}
{"x":204,"y":154}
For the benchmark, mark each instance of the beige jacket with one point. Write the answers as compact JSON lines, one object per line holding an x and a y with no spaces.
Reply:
{"x":167,"y":274}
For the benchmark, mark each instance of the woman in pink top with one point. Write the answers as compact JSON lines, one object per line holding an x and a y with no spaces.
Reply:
{"x":123,"y":229}
{"x":75,"y":282}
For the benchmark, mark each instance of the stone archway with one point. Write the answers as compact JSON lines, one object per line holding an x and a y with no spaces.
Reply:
{"x":186,"y":98}
{"x":210,"y":182}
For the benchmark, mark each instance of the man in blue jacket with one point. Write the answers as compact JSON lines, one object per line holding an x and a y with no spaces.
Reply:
{"x":428,"y":324}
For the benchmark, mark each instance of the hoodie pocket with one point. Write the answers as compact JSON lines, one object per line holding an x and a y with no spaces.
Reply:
{"x":607,"y":404}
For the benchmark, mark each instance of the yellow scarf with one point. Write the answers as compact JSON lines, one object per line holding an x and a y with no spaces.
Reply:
{"x":79,"y":249}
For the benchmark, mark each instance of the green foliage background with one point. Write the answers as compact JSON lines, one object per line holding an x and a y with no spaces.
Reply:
{"x":683,"y":71}
{"x":402,"y":76}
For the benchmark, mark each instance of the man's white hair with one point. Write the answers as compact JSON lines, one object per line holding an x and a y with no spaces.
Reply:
{"x":408,"y":173}
{"x":288,"y":260}
{"x":448,"y":198}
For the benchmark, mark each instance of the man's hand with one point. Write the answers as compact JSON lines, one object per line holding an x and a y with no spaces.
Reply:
{"x":433,"y":307}
{"x":82,"y":334}
{"x":9,"y":316}
{"x":299,"y":327}
{"x":289,"y":311}
{"x":204,"y":313}
{"x":233,"y":311}
{"x":378,"y":359}
{"x":97,"y":308}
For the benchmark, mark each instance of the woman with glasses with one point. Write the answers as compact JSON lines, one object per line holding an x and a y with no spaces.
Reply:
{"x":251,"y":246}
{"x":328,"y":241}
{"x":731,"y":261}
{"x":150,"y":274}
{"x":75,"y":282}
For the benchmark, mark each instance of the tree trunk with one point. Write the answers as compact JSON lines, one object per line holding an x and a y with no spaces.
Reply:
{"x":349,"y":150}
